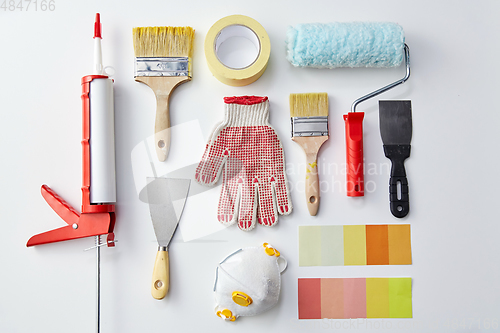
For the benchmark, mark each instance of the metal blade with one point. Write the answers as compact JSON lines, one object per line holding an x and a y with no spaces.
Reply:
{"x":395,"y":122}
{"x":166,"y":197}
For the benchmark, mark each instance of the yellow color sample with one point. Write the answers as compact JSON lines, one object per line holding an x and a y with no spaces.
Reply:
{"x":354,"y":245}
{"x":377,"y":298}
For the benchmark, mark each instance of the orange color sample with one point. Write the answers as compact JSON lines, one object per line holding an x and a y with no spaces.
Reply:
{"x":399,"y":244}
{"x":377,"y":245}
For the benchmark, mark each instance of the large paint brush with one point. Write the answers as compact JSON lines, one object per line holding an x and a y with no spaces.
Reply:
{"x":309,"y":115}
{"x":163,"y":61}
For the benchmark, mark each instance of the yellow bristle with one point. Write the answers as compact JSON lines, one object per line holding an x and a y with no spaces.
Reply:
{"x":309,"y":105}
{"x":163,"y":41}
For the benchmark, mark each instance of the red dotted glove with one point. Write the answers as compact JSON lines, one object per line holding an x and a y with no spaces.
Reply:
{"x":248,"y":153}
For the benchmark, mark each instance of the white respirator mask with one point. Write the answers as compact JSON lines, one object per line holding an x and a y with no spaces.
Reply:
{"x":248,"y":282}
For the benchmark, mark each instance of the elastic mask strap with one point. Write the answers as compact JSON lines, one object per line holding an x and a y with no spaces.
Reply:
{"x":283,"y":264}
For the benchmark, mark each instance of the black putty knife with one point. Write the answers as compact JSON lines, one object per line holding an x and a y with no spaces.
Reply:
{"x":396,"y":130}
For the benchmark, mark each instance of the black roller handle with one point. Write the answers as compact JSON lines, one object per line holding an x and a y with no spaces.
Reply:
{"x":400,"y":207}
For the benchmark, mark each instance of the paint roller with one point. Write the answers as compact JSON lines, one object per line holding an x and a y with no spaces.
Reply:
{"x":354,"y":44}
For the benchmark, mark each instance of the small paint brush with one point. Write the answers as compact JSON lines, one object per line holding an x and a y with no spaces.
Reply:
{"x":309,"y":116}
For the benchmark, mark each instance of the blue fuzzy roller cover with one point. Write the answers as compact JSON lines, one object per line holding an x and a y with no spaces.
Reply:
{"x":356,"y":44}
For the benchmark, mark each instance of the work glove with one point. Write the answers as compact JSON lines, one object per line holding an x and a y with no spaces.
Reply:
{"x":246,"y":150}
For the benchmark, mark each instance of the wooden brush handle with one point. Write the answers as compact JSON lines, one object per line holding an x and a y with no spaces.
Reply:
{"x":161,"y":275}
{"x":162,"y":86}
{"x":311,"y":146}
{"x":312,"y":183}
{"x":162,"y":127}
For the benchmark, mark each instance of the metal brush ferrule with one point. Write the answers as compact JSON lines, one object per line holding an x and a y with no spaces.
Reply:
{"x":167,"y":66}
{"x":309,"y":126}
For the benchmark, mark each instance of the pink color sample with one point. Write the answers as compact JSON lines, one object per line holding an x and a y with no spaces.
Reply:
{"x":354,"y":298}
{"x":332,"y":298}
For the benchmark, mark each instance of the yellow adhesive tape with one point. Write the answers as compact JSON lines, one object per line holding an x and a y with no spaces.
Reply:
{"x":237,"y":26}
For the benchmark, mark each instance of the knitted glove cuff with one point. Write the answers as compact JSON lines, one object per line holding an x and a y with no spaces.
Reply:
{"x":246,"y":111}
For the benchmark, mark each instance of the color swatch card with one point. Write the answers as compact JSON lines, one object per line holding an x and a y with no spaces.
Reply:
{"x":344,"y":298}
{"x":355,"y":245}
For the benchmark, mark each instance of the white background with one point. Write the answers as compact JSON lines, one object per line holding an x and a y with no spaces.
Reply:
{"x":452,"y":171}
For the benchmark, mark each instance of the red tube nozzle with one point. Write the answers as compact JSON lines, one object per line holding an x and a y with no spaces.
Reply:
{"x":97,"y":26}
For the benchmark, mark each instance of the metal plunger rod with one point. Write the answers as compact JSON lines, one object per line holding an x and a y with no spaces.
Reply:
{"x":98,"y":285}
{"x":390,"y":86}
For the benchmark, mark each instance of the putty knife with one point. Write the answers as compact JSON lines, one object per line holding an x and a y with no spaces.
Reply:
{"x":166,"y":197}
{"x":396,"y":131}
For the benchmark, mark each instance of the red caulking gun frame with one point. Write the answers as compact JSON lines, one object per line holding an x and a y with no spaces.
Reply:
{"x":98,"y":144}
{"x":99,"y":180}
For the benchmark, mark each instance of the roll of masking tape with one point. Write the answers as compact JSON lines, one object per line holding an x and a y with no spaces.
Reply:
{"x":238,"y":26}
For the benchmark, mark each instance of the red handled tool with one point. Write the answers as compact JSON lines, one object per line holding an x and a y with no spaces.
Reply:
{"x":82,"y":225}
{"x":354,"y":154}
{"x":97,"y":217}
{"x":99,"y":181}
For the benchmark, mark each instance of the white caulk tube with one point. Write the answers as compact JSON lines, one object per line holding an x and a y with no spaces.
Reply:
{"x":102,"y":142}
{"x":102,"y":131}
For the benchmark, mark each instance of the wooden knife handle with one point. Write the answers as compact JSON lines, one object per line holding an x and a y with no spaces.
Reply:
{"x":161,"y":274}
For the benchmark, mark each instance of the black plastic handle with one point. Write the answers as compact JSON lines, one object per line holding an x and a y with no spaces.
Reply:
{"x":398,"y":154}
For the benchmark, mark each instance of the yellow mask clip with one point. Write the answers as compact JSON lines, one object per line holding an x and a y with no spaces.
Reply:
{"x":226,"y":315}
{"x":270,"y":250}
